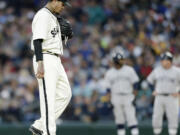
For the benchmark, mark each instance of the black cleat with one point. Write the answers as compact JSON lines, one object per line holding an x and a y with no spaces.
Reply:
{"x":35,"y":131}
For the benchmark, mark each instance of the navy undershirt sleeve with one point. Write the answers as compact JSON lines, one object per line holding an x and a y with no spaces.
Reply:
{"x":38,"y":49}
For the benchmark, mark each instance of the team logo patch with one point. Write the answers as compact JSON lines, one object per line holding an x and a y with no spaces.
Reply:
{"x":54,"y":32}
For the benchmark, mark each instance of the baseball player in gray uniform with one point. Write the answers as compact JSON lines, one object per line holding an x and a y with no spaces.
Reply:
{"x":54,"y":87}
{"x":166,"y":79}
{"x":120,"y":80}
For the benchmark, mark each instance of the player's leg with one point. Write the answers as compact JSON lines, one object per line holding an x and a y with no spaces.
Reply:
{"x":49,"y":83}
{"x":63,"y":92}
{"x":158,"y":112}
{"x":172,"y":109}
{"x":118,"y":115}
{"x":131,"y":115}
{"x":47,"y":96}
{"x":38,"y":123}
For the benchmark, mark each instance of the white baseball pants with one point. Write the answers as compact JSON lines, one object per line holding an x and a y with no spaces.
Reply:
{"x":55,"y":93}
{"x":124,"y":109}
{"x":168,"y":105}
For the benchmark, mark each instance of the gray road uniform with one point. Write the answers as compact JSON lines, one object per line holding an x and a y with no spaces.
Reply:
{"x":120,"y":81}
{"x":166,"y":82}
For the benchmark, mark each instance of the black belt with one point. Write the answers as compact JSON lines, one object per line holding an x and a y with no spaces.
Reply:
{"x":164,"y":94}
{"x":123,"y":94}
{"x":51,"y":53}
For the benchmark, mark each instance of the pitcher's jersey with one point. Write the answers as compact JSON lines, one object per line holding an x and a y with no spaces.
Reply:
{"x":45,"y":26}
{"x":166,"y":81}
{"x":121,"y":80}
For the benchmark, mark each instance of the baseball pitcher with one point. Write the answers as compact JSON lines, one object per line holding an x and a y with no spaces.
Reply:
{"x":166,"y":79}
{"x":121,"y":80}
{"x":54,"y":87}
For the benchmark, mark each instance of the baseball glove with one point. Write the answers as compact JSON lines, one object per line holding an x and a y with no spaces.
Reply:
{"x":66,"y":28}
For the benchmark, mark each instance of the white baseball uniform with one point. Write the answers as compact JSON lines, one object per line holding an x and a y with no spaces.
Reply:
{"x":166,"y":83}
{"x":121,"y":81}
{"x":54,"y":89}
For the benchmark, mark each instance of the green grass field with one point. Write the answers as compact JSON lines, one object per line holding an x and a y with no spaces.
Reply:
{"x":69,"y":128}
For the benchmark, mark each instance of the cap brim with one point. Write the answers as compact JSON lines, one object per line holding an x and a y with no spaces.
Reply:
{"x":166,"y":58}
{"x":68,"y":4}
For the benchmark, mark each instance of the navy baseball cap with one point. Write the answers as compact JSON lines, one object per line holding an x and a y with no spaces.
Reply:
{"x":167,"y":56}
{"x":66,"y":3}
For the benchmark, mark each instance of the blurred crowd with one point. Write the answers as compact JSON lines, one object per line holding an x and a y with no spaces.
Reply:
{"x":142,"y":29}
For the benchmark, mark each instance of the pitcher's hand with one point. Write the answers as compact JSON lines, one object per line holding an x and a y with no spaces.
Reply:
{"x":40,"y":70}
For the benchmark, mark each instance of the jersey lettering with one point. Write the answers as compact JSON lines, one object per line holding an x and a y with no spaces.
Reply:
{"x":54,"y":32}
